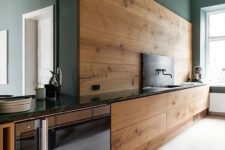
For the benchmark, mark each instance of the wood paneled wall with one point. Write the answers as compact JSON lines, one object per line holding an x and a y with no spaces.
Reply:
{"x":113,"y":33}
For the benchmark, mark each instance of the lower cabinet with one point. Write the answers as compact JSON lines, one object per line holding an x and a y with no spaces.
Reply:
{"x":139,"y":124}
{"x":138,"y":134}
{"x":32,"y":135}
{"x":150,"y":122}
{"x":7,"y":136}
{"x":79,"y":130}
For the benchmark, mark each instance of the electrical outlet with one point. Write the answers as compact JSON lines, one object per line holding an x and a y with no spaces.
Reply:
{"x":95,"y":87}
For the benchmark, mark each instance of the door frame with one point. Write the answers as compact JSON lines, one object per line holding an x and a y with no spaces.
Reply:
{"x":31,"y":15}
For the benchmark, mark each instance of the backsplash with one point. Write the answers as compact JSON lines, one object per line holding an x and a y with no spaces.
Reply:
{"x":111,"y":43}
{"x":157,"y":70}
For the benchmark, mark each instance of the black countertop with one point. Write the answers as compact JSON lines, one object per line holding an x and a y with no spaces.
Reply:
{"x":43,"y":108}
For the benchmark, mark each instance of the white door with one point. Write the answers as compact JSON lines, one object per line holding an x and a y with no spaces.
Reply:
{"x":45,"y":50}
{"x":31,"y":56}
{"x":37,"y":49}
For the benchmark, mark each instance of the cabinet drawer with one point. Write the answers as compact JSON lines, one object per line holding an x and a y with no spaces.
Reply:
{"x":134,"y":136}
{"x":51,"y":121}
{"x":73,"y":116}
{"x":199,"y":100}
{"x":130,"y":112}
{"x":176,"y":116}
{"x":101,"y":111}
{"x":178,"y":98}
{"x":24,"y":127}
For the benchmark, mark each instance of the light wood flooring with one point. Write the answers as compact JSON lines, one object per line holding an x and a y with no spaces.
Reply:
{"x":206,"y":134}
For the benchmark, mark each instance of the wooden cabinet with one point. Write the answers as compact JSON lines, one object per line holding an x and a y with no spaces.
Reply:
{"x":73,"y":116}
{"x":51,"y":121}
{"x":153,"y":120}
{"x":25,"y":127}
{"x":103,"y":110}
{"x":7,"y":136}
{"x":176,"y":116}
{"x":199,"y":99}
{"x":126,"y":113}
{"x":178,"y":98}
{"x":135,"y":135}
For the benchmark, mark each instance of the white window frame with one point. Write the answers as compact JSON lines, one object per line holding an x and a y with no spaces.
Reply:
{"x":208,"y":39}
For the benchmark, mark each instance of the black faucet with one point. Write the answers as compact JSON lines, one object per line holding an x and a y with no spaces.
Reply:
{"x":163,"y":72}
{"x":166,"y":74}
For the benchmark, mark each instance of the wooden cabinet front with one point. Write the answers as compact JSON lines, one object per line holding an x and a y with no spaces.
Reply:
{"x":140,"y":123}
{"x":124,"y":114}
{"x":73,"y":116}
{"x":178,"y":98}
{"x":199,"y":99}
{"x":138,"y":134}
{"x":25,"y":127}
{"x":7,"y":136}
{"x":176,"y":116}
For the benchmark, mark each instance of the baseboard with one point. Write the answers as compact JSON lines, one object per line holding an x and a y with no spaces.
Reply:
{"x":217,"y":114}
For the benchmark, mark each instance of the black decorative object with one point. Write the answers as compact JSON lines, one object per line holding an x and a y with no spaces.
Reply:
{"x":54,"y":86}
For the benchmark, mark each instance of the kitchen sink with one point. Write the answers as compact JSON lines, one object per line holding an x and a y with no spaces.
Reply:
{"x":154,"y":89}
{"x":171,"y":86}
{"x":5,"y":96}
{"x":162,"y":87}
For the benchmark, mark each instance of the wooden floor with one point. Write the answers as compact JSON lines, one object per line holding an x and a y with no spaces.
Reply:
{"x":206,"y":134}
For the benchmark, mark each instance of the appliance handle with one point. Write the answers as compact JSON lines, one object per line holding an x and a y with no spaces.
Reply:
{"x":37,"y":139}
{"x":44,"y":135}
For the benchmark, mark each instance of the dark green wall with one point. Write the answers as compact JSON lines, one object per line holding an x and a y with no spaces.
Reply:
{"x":68,"y":49}
{"x":180,"y":7}
{"x":196,"y":6}
{"x":11,"y":12}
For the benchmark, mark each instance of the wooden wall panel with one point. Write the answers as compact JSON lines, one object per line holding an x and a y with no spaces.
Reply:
{"x":114,"y":33}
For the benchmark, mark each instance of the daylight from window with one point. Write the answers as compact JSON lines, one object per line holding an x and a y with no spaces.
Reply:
{"x":215,"y":43}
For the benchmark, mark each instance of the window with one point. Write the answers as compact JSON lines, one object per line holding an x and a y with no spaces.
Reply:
{"x":215,"y":45}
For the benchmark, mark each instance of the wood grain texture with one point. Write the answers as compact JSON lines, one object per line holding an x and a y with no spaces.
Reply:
{"x":99,"y":111}
{"x":126,"y":113}
{"x":135,"y":135}
{"x":73,"y":116}
{"x":130,"y":118}
{"x":1,"y":138}
{"x":24,"y":127}
{"x":109,"y":76}
{"x":199,"y":99}
{"x":114,"y":33}
{"x":11,"y":137}
{"x":163,"y":138}
{"x":178,"y":98}
{"x":8,"y":136}
{"x":176,"y":116}
{"x":51,"y":121}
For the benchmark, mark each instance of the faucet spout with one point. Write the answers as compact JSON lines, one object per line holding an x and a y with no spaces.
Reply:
{"x":166,"y":74}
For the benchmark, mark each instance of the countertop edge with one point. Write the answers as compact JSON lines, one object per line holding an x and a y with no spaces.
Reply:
{"x":51,"y":112}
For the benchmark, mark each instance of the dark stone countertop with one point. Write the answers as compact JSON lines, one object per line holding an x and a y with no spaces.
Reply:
{"x":44,"y":108}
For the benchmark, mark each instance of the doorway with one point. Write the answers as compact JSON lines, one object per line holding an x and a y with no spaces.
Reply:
{"x":38,"y":48}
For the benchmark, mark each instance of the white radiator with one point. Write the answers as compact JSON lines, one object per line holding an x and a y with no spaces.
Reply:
{"x":217,"y":102}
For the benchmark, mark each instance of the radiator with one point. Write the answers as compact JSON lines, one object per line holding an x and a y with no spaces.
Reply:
{"x":217,"y":102}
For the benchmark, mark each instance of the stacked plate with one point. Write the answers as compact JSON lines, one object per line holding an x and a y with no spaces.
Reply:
{"x":15,"y":104}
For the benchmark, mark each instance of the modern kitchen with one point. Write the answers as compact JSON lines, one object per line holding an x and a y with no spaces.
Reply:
{"x":112,"y":75}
